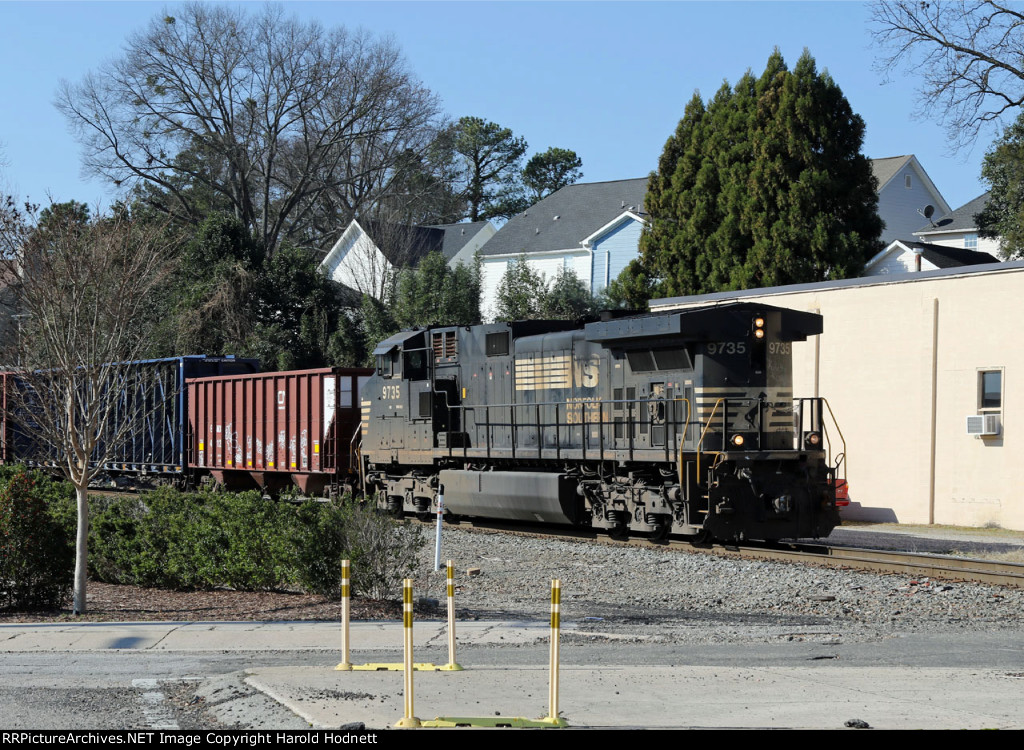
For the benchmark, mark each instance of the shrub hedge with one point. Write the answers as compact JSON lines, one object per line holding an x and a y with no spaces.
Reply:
{"x":201,"y":540}
{"x":36,"y":557}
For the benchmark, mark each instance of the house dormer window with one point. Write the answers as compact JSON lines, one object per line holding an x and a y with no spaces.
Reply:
{"x":970,"y":241}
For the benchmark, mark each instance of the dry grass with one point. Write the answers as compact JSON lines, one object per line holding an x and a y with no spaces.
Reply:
{"x":993,"y":532}
{"x":1011,"y":556}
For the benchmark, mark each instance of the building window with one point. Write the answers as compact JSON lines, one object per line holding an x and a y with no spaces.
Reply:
{"x":907,"y":182}
{"x":990,"y":390}
{"x":970,"y":242}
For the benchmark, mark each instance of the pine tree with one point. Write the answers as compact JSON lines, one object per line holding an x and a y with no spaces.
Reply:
{"x":764,"y":185}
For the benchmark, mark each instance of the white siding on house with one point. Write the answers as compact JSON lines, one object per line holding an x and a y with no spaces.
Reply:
{"x":898,"y":259}
{"x":956,"y":239}
{"x":547,"y":264}
{"x":491,"y":272}
{"x":898,"y":205}
{"x":357,"y":263}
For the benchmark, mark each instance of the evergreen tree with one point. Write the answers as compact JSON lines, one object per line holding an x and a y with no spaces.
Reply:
{"x":550,"y":171}
{"x":568,"y":299}
{"x":764,"y":185}
{"x":434,"y":294}
{"x":490,"y":156}
{"x":1003,"y":170}
{"x":521,"y":292}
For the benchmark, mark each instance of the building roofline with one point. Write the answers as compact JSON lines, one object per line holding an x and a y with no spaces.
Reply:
{"x":894,"y":278}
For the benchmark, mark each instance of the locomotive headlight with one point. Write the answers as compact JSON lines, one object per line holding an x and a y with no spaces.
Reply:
{"x":758,"y":322}
{"x":737,"y":440}
{"x":758,"y":333}
{"x":812,"y":439}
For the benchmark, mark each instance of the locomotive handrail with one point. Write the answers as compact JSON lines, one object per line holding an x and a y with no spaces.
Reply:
{"x":707,"y":425}
{"x":841,"y":458}
{"x":354,"y":452}
{"x":682,"y":440}
{"x":534,"y":421}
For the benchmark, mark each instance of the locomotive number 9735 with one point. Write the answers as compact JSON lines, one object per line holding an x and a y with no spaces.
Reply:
{"x":677,"y":423}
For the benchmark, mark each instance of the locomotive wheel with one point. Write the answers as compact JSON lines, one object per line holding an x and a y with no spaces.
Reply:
{"x":395,"y":507}
{"x":661,"y":532}
{"x":701,"y":539}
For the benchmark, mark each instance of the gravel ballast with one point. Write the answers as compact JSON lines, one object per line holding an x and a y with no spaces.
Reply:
{"x":695,"y":597}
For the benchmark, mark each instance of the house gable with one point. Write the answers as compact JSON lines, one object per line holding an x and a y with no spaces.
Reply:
{"x":562,"y":230}
{"x":904,"y":189}
{"x":612,"y":247}
{"x":356,"y":262}
{"x":904,"y":256}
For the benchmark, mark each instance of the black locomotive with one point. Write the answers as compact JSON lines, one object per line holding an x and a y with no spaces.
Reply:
{"x":679,"y":423}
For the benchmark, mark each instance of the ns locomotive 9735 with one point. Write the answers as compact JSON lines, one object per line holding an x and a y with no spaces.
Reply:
{"x":681,"y":423}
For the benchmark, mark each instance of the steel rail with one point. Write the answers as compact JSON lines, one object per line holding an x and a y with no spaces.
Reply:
{"x":939,"y":567}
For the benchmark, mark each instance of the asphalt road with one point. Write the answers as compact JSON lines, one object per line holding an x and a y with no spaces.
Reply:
{"x":140,"y":689}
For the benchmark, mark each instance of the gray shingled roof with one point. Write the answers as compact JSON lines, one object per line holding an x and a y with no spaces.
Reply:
{"x":403,"y":245}
{"x":580,"y":209}
{"x":457,"y":235}
{"x":960,"y":220}
{"x":951,"y":257}
{"x":885,"y":169}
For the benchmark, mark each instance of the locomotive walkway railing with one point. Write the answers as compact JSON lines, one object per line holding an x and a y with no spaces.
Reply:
{"x":628,"y":426}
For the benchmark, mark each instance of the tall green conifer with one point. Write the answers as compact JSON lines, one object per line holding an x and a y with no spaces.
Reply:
{"x":765,"y":185}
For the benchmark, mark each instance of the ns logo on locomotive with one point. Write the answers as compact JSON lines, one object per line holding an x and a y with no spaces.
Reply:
{"x":680,"y":423}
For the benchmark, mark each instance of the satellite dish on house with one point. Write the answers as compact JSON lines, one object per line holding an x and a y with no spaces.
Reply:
{"x":927,"y":212}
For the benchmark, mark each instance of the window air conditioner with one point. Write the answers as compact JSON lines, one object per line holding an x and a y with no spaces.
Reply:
{"x":983,"y":424}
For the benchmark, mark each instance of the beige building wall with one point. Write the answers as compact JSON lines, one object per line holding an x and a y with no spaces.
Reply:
{"x":899,"y":363}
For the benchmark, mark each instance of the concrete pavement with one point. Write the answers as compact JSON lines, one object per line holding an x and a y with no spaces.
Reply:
{"x":819,"y":696}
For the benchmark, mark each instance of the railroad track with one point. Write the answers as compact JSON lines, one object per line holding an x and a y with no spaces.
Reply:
{"x":940,"y":567}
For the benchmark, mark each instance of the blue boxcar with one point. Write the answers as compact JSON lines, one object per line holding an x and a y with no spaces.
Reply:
{"x":156,"y":444}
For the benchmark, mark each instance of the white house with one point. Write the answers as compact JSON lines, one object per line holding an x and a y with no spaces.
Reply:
{"x":959,"y":229}
{"x":363,"y":258}
{"x":592,"y":229}
{"x":904,"y":191}
{"x":907,"y":256}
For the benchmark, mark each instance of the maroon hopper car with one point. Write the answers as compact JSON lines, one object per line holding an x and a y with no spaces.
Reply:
{"x":277,"y":428}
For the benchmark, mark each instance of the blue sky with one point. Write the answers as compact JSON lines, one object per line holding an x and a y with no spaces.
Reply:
{"x":606,"y":79}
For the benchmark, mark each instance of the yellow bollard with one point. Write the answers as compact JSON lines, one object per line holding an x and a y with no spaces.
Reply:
{"x":409,"y":719}
{"x":345,"y":665}
{"x":556,"y":623}
{"x":452,"y":665}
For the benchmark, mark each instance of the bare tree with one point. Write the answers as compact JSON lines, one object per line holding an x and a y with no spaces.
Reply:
{"x":291,"y":127}
{"x":79,"y":288}
{"x":970,"y":55}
